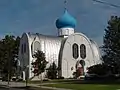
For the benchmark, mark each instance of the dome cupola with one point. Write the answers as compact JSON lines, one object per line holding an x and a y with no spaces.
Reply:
{"x":66,"y":21}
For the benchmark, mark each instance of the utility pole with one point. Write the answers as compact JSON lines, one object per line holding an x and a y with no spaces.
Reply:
{"x":26,"y":79}
{"x":9,"y":67}
{"x":26,"y":75}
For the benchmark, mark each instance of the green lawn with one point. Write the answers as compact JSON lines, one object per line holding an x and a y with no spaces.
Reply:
{"x":51,"y":81}
{"x":39,"y":89}
{"x":34,"y":88}
{"x":86,"y":86}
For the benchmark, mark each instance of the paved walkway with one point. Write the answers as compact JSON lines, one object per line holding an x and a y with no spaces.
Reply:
{"x":21,"y":84}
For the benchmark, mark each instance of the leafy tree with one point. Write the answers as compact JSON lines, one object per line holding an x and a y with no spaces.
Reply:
{"x":52,"y":71}
{"x":111,"y":45}
{"x":40,"y":63}
{"x":15,"y":51}
{"x":99,"y":69}
{"x":16,"y":47}
{"x":8,"y":52}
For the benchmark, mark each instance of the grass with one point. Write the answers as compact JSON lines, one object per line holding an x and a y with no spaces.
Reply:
{"x":39,"y":89}
{"x":86,"y":86}
{"x":82,"y":85}
{"x":49,"y":81}
{"x":30,"y":88}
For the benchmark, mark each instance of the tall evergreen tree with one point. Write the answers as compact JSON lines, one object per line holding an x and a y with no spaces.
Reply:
{"x":8,"y":52}
{"x":111,"y":45}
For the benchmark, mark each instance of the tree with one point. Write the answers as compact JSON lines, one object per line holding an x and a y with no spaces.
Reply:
{"x":15,"y":52}
{"x":40,"y":63}
{"x":111,"y":45}
{"x":8,"y":52}
{"x":99,"y":69}
{"x":52,"y":71}
{"x":16,"y":47}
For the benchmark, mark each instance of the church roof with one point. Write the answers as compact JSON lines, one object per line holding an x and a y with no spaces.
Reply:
{"x":66,"y":21}
{"x":45,"y":37}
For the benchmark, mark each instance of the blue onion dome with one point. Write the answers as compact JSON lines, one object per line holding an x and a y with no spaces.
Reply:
{"x":66,"y":21}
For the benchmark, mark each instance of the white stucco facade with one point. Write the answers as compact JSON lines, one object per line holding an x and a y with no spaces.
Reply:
{"x":66,"y":49}
{"x":68,"y":62}
{"x":58,"y":50}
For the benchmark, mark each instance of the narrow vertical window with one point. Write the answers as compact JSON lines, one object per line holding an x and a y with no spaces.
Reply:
{"x":75,"y":51}
{"x":32,"y":49}
{"x":82,"y":51}
{"x":24,"y":47}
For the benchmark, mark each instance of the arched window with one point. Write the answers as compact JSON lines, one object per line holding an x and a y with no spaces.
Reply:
{"x":37,"y":46}
{"x":82,"y":51}
{"x":75,"y":51}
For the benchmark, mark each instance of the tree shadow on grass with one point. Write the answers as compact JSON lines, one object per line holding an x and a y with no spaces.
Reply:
{"x":3,"y":87}
{"x":98,"y":81}
{"x":25,"y":88}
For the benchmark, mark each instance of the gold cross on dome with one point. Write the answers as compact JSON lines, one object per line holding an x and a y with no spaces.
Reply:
{"x":65,"y":2}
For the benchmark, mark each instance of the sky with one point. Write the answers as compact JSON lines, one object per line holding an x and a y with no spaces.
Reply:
{"x":39,"y":16}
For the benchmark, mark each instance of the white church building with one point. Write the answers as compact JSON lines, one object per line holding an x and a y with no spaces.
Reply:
{"x":67,"y":49}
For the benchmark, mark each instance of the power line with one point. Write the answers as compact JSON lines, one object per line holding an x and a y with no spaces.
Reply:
{"x":107,"y":3}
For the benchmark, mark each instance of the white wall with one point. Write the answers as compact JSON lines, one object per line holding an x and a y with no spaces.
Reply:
{"x":49,"y":45}
{"x":24,"y":57}
{"x":96,"y":52}
{"x":65,"y":31}
{"x":67,"y":58}
{"x":51,"y":48}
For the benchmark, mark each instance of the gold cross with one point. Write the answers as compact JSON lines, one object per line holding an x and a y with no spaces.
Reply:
{"x":65,"y":2}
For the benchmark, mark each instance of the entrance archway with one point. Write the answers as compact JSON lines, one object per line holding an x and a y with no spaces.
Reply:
{"x":80,"y":68}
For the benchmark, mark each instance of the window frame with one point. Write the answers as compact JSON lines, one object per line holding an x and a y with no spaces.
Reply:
{"x":83,"y":51}
{"x":75,"y":50}
{"x":36,"y":48}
